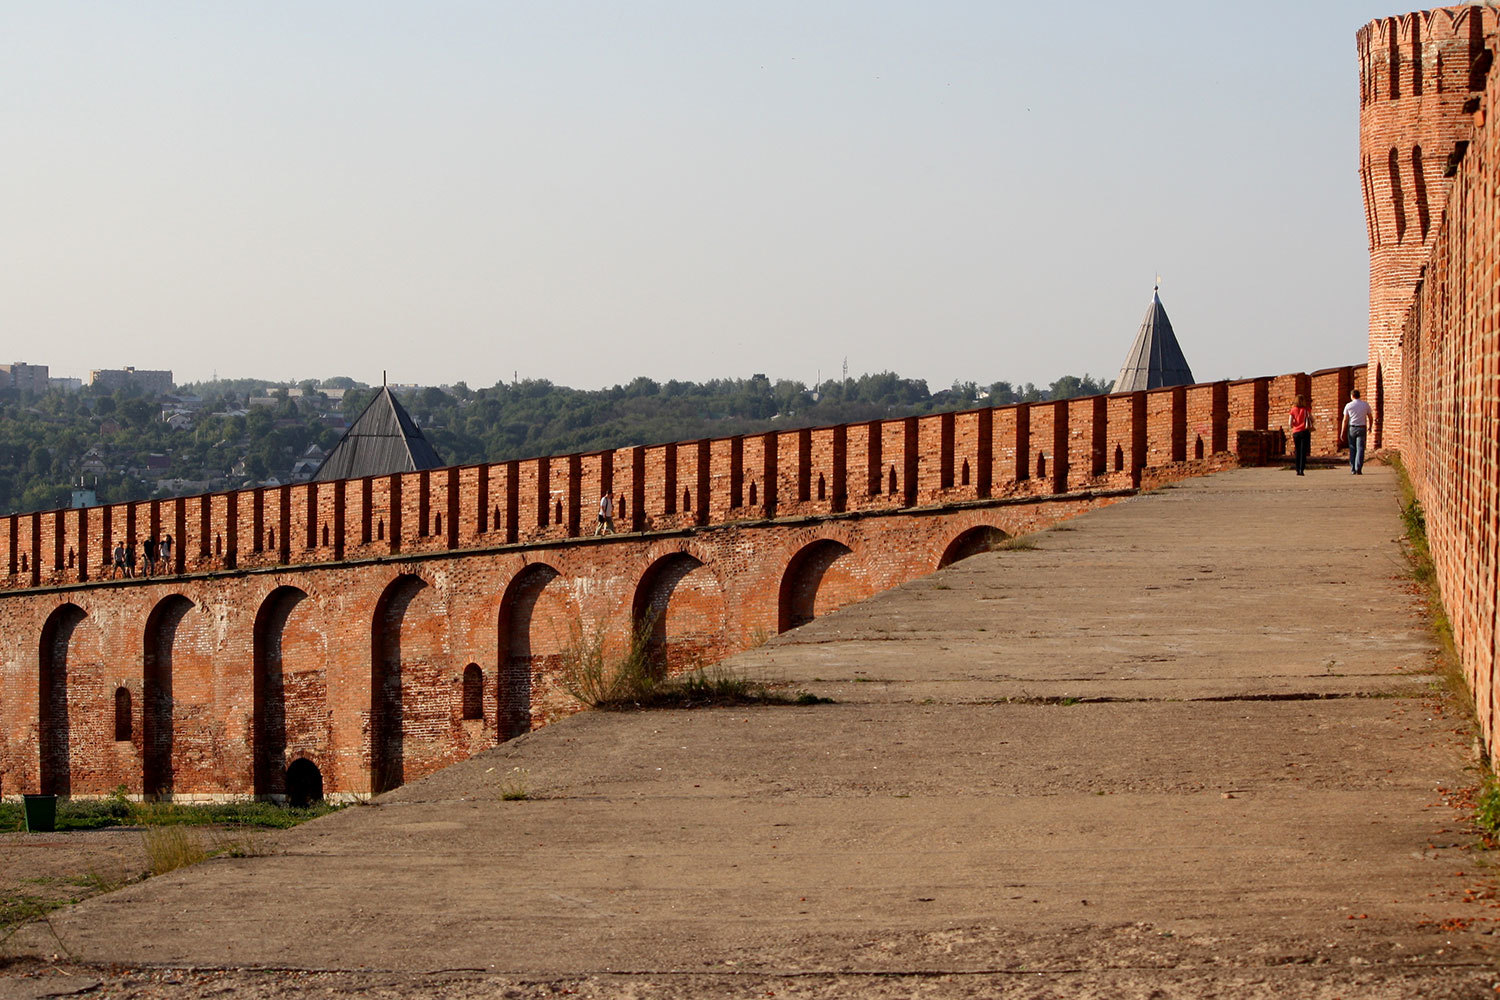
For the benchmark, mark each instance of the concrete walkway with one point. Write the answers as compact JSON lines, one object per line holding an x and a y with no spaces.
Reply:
{"x":1246,"y":799}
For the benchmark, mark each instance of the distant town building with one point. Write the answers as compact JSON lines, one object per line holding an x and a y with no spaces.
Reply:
{"x":1155,"y":359}
{"x":26,"y":378}
{"x":151,"y":382}
{"x":65,"y":384}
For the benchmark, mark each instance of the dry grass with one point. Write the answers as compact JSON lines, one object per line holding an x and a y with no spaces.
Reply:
{"x":169,"y":848}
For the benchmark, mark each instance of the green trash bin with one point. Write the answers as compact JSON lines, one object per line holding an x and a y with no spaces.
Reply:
{"x":41,"y":813}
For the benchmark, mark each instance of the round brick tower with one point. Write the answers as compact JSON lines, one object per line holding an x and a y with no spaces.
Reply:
{"x":1420,"y":77}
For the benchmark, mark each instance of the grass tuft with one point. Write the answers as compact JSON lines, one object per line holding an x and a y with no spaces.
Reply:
{"x":169,"y":848}
{"x":637,"y":678}
{"x":516,"y":785}
{"x":1016,"y":543}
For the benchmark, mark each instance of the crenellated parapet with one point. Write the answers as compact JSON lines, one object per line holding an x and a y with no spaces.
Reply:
{"x":1420,"y":78}
{"x":1031,"y":449}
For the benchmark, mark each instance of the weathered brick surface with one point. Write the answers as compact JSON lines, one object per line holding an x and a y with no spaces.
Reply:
{"x":1434,"y":329}
{"x":336,"y":622}
{"x":1419,"y":75}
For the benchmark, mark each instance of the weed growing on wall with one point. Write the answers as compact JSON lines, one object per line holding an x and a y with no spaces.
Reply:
{"x":637,"y":678}
{"x":600,"y":679}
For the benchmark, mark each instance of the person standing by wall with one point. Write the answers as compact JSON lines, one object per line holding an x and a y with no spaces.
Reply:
{"x":1300,"y":420}
{"x":1355,"y":429}
{"x":606,"y":522}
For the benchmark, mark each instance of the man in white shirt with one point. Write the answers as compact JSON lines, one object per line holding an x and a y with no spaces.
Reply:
{"x":606,"y":522}
{"x":1358,"y":419}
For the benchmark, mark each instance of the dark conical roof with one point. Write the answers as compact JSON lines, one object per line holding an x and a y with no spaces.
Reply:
{"x":382,"y":440}
{"x":1154,"y":360}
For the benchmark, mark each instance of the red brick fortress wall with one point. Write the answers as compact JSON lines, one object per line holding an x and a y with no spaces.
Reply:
{"x":1420,"y":76}
{"x":1450,"y":406}
{"x":378,"y":629}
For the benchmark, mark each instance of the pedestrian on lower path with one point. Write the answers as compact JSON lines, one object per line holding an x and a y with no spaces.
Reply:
{"x":1300,"y":420}
{"x":1358,"y":419}
{"x":118,"y":569}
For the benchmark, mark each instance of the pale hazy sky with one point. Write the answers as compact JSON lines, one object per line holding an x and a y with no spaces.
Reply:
{"x":590,"y":191}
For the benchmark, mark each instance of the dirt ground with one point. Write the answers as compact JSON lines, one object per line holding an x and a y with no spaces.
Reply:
{"x":1190,"y":745}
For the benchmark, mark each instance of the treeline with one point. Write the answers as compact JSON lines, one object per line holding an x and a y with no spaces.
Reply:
{"x":45,"y":441}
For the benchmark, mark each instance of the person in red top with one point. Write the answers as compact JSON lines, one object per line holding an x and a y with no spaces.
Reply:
{"x":1300,"y":420}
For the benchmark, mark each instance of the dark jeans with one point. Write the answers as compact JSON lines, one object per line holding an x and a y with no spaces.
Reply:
{"x":1301,"y":445}
{"x":1357,"y":449}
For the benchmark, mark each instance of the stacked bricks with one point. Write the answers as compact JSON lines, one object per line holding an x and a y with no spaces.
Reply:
{"x":1420,"y":79}
{"x":1448,"y":404}
{"x":380,"y":628}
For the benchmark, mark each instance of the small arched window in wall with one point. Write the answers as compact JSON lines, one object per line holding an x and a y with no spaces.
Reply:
{"x":23,"y":562}
{"x":270,"y":538}
{"x":557,"y":511}
{"x":1419,"y":182}
{"x":1119,"y":459}
{"x":963,"y":479}
{"x":437,"y":524}
{"x":473,"y":692}
{"x":753,"y":501}
{"x":122,"y":714}
{"x":1041,"y":465}
{"x":72,"y":558}
{"x":822,"y":487}
{"x":1437,"y":73}
{"x":1398,"y":198}
{"x":624,"y":514}
{"x":687,"y":501}
{"x":1198,"y":448}
{"x":218,"y":545}
{"x":325,"y":534}
{"x":380,"y":530}
{"x":495,"y":523}
{"x":891,"y":487}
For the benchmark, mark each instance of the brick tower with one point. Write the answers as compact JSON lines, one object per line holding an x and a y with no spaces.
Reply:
{"x":1420,"y":77}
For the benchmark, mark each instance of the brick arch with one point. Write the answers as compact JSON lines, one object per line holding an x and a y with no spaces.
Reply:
{"x":55,"y":752}
{"x":817,"y":580}
{"x":534,"y":619}
{"x":680,"y":601}
{"x":158,"y":721}
{"x":408,"y":713}
{"x":971,"y":542}
{"x":303,"y":782}
{"x":269,"y":709}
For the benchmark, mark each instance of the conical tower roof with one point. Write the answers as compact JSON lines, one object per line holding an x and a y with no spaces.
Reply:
{"x":383,"y":439}
{"x":1155,"y":360}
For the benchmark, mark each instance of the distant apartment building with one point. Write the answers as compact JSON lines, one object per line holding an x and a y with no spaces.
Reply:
{"x":65,"y":384}
{"x":27,"y":378}
{"x":155,"y":383}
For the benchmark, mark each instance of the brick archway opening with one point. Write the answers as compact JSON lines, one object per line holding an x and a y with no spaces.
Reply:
{"x":269,"y":696}
{"x":532,"y":626}
{"x":798,"y":601}
{"x":970,"y":543}
{"x":304,"y":783}
{"x":55,"y":734}
{"x":679,"y":606}
{"x":387,"y":705}
{"x":157,"y":737}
